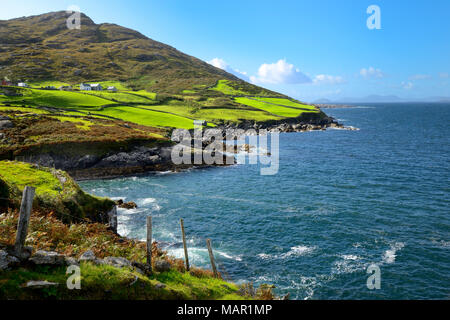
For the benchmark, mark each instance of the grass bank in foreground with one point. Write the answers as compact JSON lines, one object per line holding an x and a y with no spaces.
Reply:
{"x":99,"y":281}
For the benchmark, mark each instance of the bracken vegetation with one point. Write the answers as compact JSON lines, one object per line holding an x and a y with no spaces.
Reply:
{"x":46,"y":232}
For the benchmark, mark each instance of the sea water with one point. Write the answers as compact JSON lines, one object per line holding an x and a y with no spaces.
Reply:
{"x":341,"y":201}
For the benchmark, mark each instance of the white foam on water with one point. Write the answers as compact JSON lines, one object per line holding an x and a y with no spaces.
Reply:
{"x":348,"y":263}
{"x":345,"y":128}
{"x":161,"y":173}
{"x":123,"y":211}
{"x":390,"y":254}
{"x":117,"y":198}
{"x":264,"y":279}
{"x":145,"y":201}
{"x":197,"y":256}
{"x":306,"y":284}
{"x":293,"y":252}
{"x":302,"y":285}
{"x":223,"y":254}
{"x":264,"y":256}
{"x":350,"y":257}
{"x":122,"y":228}
{"x":297,"y":251}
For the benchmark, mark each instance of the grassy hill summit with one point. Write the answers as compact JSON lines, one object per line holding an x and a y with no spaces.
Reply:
{"x":42,"y":47}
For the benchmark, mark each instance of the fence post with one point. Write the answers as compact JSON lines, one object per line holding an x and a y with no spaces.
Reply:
{"x":184,"y":244}
{"x":211,"y":257}
{"x":24,"y":218}
{"x":149,"y":242}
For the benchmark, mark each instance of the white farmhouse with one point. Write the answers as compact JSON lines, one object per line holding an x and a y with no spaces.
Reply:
{"x":85,"y":87}
{"x":112,"y":89}
{"x":96,"y":87}
{"x":22,"y":84}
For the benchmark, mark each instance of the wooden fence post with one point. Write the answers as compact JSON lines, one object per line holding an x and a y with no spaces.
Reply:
{"x":149,"y":241}
{"x":24,"y":218}
{"x":211,"y":257}
{"x":184,"y":244}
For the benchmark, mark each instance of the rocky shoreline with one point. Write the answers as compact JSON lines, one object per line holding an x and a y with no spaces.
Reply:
{"x":139,"y":158}
{"x":332,"y":106}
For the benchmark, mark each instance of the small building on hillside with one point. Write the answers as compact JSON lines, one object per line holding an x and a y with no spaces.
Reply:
{"x":96,"y":87}
{"x":85,"y":87}
{"x":112,"y":89}
{"x":23,"y":85}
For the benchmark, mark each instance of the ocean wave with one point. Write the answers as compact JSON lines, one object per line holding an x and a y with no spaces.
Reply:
{"x":348,"y":263}
{"x":350,"y":257}
{"x":228,"y":256}
{"x":162,"y":173}
{"x":123,"y":211}
{"x":297,"y":251}
{"x":122,"y":228}
{"x":293,"y":252}
{"x":147,"y":201}
{"x":352,"y":128}
{"x":390,"y":254}
{"x":264,"y":256}
{"x":303,"y":286}
{"x":117,"y":198}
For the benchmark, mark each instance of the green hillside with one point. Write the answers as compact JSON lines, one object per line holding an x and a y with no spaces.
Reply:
{"x":152,"y":109}
{"x":158,"y":86}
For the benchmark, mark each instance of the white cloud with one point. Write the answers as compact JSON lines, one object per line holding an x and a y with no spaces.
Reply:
{"x":221,"y":64}
{"x":279,"y":72}
{"x":218,"y":63}
{"x":419,"y":77}
{"x":407,"y":85}
{"x":327,"y":79}
{"x":443,"y":75}
{"x":371,"y":72}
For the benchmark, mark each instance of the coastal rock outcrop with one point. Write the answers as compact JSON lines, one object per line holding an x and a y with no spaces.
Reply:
{"x":126,"y":205}
{"x":40,"y":284}
{"x":88,"y":256}
{"x":7,"y":261}
{"x":117,"y":262}
{"x":42,"y":257}
{"x":6,"y":124}
{"x":162,"y":265}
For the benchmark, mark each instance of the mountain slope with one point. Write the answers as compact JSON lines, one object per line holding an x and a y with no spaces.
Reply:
{"x":158,"y":86}
{"x":42,"y":47}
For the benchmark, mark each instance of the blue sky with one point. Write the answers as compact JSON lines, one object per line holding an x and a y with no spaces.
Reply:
{"x":306,"y":49}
